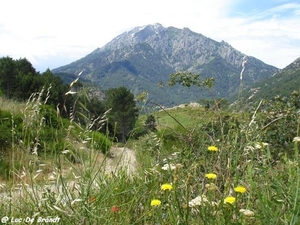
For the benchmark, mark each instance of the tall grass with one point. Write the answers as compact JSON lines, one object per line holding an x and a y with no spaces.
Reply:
{"x":217,"y":170}
{"x":10,"y":105}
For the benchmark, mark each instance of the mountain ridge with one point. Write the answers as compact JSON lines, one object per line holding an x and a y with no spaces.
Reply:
{"x":144,"y":56}
{"x":281,"y":83}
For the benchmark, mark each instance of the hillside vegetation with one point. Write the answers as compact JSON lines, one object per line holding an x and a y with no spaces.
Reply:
{"x":280,"y":84}
{"x":206,"y":164}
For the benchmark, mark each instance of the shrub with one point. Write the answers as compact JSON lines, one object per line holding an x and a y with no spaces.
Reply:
{"x":9,"y":122}
{"x":4,"y":167}
{"x":99,"y":141}
{"x":279,"y":121}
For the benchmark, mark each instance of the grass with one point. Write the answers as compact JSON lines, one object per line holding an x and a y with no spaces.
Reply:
{"x":10,"y":105}
{"x":178,"y":179}
{"x":187,"y":117}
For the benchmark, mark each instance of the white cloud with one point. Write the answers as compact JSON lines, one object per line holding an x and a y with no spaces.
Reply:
{"x":68,"y":30}
{"x":270,"y":35}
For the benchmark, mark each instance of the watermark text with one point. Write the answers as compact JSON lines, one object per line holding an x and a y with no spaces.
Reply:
{"x":16,"y":220}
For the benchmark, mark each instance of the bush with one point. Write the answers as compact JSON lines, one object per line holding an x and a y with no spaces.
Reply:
{"x":99,"y":141}
{"x":4,"y":167}
{"x":279,"y":119}
{"x":50,"y":116}
{"x":170,"y":137}
{"x":8,"y":122}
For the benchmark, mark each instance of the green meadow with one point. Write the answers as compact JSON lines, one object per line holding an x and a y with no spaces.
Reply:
{"x":194,"y":166}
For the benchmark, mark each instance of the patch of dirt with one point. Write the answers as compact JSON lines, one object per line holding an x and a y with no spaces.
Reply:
{"x":121,"y":159}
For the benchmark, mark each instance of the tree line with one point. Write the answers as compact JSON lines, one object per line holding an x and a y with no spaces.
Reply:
{"x":19,"y":80}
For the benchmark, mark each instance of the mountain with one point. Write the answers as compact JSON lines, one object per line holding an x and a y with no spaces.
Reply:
{"x":282,"y":83}
{"x":145,"y":56}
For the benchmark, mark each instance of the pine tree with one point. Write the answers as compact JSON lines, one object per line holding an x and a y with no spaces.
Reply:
{"x":123,"y":112}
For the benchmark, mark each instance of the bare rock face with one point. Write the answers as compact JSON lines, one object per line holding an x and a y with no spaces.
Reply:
{"x":145,"y":56}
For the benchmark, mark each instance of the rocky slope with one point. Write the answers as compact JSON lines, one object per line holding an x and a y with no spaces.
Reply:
{"x":144,"y":56}
{"x":282,"y":83}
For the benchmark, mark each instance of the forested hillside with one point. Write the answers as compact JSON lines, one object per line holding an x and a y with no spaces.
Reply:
{"x":19,"y":80}
{"x":281,"y":84}
{"x":56,"y":104}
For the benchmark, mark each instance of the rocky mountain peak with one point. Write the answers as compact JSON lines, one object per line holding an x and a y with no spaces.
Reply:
{"x":136,"y":35}
{"x":147,"y":55}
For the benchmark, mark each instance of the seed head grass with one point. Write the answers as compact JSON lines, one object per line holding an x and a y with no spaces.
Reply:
{"x":177,"y":178}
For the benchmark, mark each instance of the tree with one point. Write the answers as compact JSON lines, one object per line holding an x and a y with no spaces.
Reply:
{"x":7,"y":76}
{"x":123,"y":112}
{"x":27,"y":80}
{"x":188,"y":79}
{"x":150,"y":123}
{"x":57,"y":90}
{"x":18,"y":78}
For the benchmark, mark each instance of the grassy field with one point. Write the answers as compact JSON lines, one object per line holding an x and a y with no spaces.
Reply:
{"x":198,"y":167}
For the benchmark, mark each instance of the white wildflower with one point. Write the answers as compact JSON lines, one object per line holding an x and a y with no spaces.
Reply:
{"x":296,"y":139}
{"x":51,"y":177}
{"x":175,"y":153}
{"x":211,"y":187}
{"x":247,"y":212}
{"x":257,"y":146}
{"x":264,"y":144}
{"x":199,"y":200}
{"x":168,"y":167}
{"x":260,"y":145}
{"x":293,"y":163}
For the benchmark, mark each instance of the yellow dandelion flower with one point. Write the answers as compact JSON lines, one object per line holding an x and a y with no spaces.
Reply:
{"x":155,"y":202}
{"x":240,"y":189}
{"x":166,"y":187}
{"x":213,"y":148}
{"x":229,"y":199}
{"x":211,"y":176}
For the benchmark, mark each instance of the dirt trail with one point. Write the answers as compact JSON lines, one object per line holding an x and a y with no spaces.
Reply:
{"x":121,"y":159}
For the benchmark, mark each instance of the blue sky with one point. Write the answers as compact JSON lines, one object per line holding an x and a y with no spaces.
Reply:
{"x":54,"y":33}
{"x":284,"y":8}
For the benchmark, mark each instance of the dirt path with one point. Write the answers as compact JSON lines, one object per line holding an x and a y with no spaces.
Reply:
{"x":121,"y":159}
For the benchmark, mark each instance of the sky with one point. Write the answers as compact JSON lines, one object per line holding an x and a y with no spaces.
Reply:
{"x":54,"y":33}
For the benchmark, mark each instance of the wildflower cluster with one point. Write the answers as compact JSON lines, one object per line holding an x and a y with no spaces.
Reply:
{"x":164,"y":187}
{"x":212,"y":199}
